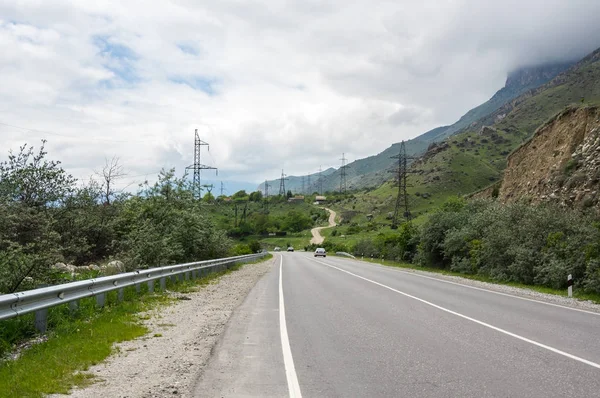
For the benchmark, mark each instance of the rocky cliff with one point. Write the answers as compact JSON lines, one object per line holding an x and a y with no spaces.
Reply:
{"x":560,"y":163}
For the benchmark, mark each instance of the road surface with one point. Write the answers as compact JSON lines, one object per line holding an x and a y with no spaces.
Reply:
{"x":317,"y":239}
{"x":337,"y":327}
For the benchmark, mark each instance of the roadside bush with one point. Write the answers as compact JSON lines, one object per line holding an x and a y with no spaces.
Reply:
{"x":516,"y":242}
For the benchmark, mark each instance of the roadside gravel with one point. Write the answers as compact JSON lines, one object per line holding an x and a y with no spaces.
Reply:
{"x":168,"y":360}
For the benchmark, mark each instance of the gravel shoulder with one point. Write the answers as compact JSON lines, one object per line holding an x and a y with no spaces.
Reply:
{"x":171,"y":357}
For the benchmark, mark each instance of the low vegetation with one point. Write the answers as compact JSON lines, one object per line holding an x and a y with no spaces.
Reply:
{"x":76,"y":340}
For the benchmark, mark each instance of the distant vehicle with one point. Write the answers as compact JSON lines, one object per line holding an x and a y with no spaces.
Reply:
{"x":290,"y":249}
{"x":277,"y":249}
{"x":320,"y":252}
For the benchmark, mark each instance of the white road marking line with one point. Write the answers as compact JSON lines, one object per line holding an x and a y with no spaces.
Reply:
{"x":482,"y":289}
{"x":516,"y":336}
{"x":290,"y":370}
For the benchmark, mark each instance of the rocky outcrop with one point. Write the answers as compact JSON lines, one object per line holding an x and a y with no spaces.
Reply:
{"x":561,"y":163}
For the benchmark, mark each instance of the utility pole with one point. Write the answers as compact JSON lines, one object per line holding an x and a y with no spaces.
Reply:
{"x":302,"y":186}
{"x":198,"y":166}
{"x":282,"y":181}
{"x":401,"y":177}
{"x":222,"y":188}
{"x":343,"y":174}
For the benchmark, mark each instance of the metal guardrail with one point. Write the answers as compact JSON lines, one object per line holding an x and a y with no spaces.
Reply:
{"x":345,"y":254}
{"x":40,"y":300}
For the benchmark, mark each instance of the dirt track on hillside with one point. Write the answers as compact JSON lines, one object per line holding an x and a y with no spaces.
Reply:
{"x":317,"y":238}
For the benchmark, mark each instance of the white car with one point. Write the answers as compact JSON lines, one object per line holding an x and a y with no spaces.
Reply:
{"x":320,"y":252}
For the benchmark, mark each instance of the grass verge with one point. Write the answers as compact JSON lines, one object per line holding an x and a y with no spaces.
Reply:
{"x":78,"y":340}
{"x":577,"y":293}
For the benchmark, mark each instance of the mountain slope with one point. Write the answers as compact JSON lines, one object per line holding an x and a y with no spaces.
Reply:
{"x":517,"y":83}
{"x":477,"y":157}
{"x":372,"y":171}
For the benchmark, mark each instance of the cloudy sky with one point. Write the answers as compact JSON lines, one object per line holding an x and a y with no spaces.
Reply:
{"x":270,"y":84}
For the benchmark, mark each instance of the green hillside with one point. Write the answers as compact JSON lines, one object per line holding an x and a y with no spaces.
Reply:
{"x":474,"y":159}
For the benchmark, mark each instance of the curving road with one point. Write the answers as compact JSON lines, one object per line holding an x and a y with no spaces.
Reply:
{"x":337,"y":327}
{"x":317,"y":238}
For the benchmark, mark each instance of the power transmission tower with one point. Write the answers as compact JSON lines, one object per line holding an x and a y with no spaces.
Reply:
{"x":222,"y":188}
{"x":282,"y":181}
{"x":302,"y":186}
{"x":320,"y":181}
{"x":401,"y":178}
{"x":198,"y":166}
{"x":308,"y":177}
{"x":267,"y":186}
{"x":343,"y":174}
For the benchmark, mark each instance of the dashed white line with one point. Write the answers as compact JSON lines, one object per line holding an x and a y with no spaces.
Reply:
{"x":516,"y":336}
{"x":290,"y":370}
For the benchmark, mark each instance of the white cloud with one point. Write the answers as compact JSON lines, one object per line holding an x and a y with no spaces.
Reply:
{"x":269,"y":84}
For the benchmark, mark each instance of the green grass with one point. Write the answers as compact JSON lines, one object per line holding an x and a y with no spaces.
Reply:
{"x":577,"y":293}
{"x":80,"y":340}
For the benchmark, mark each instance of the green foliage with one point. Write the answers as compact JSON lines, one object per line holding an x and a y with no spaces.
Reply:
{"x":240,"y":249}
{"x":45,"y":218}
{"x":256,"y":196}
{"x":239,"y":195}
{"x":296,"y":221}
{"x":520,"y":243}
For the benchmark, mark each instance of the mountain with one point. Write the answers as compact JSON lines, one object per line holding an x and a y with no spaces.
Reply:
{"x":373,"y":170}
{"x":517,"y":83}
{"x":294,"y":183}
{"x":475,"y":158}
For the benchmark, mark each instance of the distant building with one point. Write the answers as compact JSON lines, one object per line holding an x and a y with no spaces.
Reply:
{"x":320,"y":199}
{"x":296,"y":199}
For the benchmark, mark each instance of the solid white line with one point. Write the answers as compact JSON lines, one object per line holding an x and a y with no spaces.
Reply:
{"x":516,"y":336}
{"x":481,"y":289}
{"x":288,"y":360}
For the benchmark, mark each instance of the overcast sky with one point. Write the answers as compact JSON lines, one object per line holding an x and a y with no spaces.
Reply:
{"x":269,"y":84}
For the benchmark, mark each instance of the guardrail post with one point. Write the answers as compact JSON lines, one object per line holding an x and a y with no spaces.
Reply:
{"x":173,"y":278}
{"x":74,"y":305}
{"x":41,"y":320}
{"x":194,"y":276}
{"x":151,"y":286}
{"x":180,"y":277}
{"x":187,"y":275}
{"x":163,"y":283}
{"x":120,"y":294}
{"x":100,"y":300}
{"x":137,"y":288}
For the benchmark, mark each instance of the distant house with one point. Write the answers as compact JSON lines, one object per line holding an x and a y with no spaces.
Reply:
{"x":296,"y":199}
{"x":320,"y":200}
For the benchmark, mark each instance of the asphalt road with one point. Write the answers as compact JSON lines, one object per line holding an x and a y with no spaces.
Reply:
{"x":354,"y":329}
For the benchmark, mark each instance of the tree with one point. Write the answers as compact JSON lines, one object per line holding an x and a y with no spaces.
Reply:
{"x":208,"y":198}
{"x":239,"y":195}
{"x":256,"y":196}
{"x":111,"y":172}
{"x":289,"y":194}
{"x":31,"y":179}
